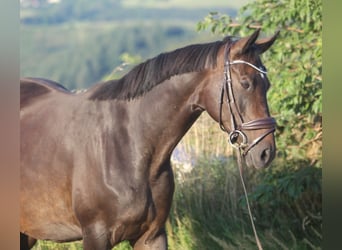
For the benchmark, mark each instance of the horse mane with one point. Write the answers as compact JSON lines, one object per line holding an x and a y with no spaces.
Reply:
{"x":143,"y":77}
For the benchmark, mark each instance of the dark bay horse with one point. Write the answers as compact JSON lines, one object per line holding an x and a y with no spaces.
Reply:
{"x":96,"y":165}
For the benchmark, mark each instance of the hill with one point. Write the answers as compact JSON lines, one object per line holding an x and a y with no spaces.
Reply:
{"x":78,"y":42}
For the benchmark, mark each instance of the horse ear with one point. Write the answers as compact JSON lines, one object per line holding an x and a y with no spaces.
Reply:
{"x":242,"y":45}
{"x":265,"y":43}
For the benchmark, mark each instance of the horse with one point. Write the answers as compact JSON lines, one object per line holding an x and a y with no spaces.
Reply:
{"x":95,"y":166}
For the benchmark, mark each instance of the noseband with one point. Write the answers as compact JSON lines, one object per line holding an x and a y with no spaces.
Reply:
{"x":236,"y":137}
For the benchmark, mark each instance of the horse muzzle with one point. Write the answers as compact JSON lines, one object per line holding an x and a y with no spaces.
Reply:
{"x":260,"y":152}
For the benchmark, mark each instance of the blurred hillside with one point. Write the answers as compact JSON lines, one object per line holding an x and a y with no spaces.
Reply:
{"x":79,"y":42}
{"x":58,"y":11}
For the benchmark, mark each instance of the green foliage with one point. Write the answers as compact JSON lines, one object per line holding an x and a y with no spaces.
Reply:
{"x":294,"y":64}
{"x":287,"y":198}
{"x":48,"y":245}
{"x":209,"y":209}
{"x":292,"y":194}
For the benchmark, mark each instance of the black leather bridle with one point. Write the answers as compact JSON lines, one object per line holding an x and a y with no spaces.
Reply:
{"x":236,"y":137}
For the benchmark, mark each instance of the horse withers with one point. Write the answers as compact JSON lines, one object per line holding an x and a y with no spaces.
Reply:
{"x":96,"y":165}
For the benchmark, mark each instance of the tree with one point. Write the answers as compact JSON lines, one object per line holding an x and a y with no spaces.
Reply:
{"x":295,"y":68}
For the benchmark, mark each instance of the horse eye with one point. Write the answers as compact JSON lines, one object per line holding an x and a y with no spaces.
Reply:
{"x":245,"y":84}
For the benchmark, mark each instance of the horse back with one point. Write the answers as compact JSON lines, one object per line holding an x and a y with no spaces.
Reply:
{"x":33,"y":88}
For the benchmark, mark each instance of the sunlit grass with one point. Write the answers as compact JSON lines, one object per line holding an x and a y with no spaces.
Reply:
{"x":48,"y":245}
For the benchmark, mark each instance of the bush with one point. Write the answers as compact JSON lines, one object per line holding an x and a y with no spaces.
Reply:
{"x":209,"y":209}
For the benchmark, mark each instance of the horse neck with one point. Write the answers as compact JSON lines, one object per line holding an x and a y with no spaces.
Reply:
{"x":168,"y":111}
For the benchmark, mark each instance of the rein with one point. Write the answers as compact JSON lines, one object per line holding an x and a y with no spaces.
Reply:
{"x":236,"y":137}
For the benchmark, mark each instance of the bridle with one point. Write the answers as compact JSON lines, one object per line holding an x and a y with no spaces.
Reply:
{"x":236,"y":132}
{"x":243,"y":146}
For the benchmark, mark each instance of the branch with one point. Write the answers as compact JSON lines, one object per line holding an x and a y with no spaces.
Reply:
{"x":252,"y":26}
{"x":258,"y":26}
{"x":294,"y":29}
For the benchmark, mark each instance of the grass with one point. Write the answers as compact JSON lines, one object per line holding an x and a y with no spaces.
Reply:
{"x":48,"y":245}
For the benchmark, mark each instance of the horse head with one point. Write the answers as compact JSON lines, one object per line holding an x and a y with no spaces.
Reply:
{"x":235,"y":96}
